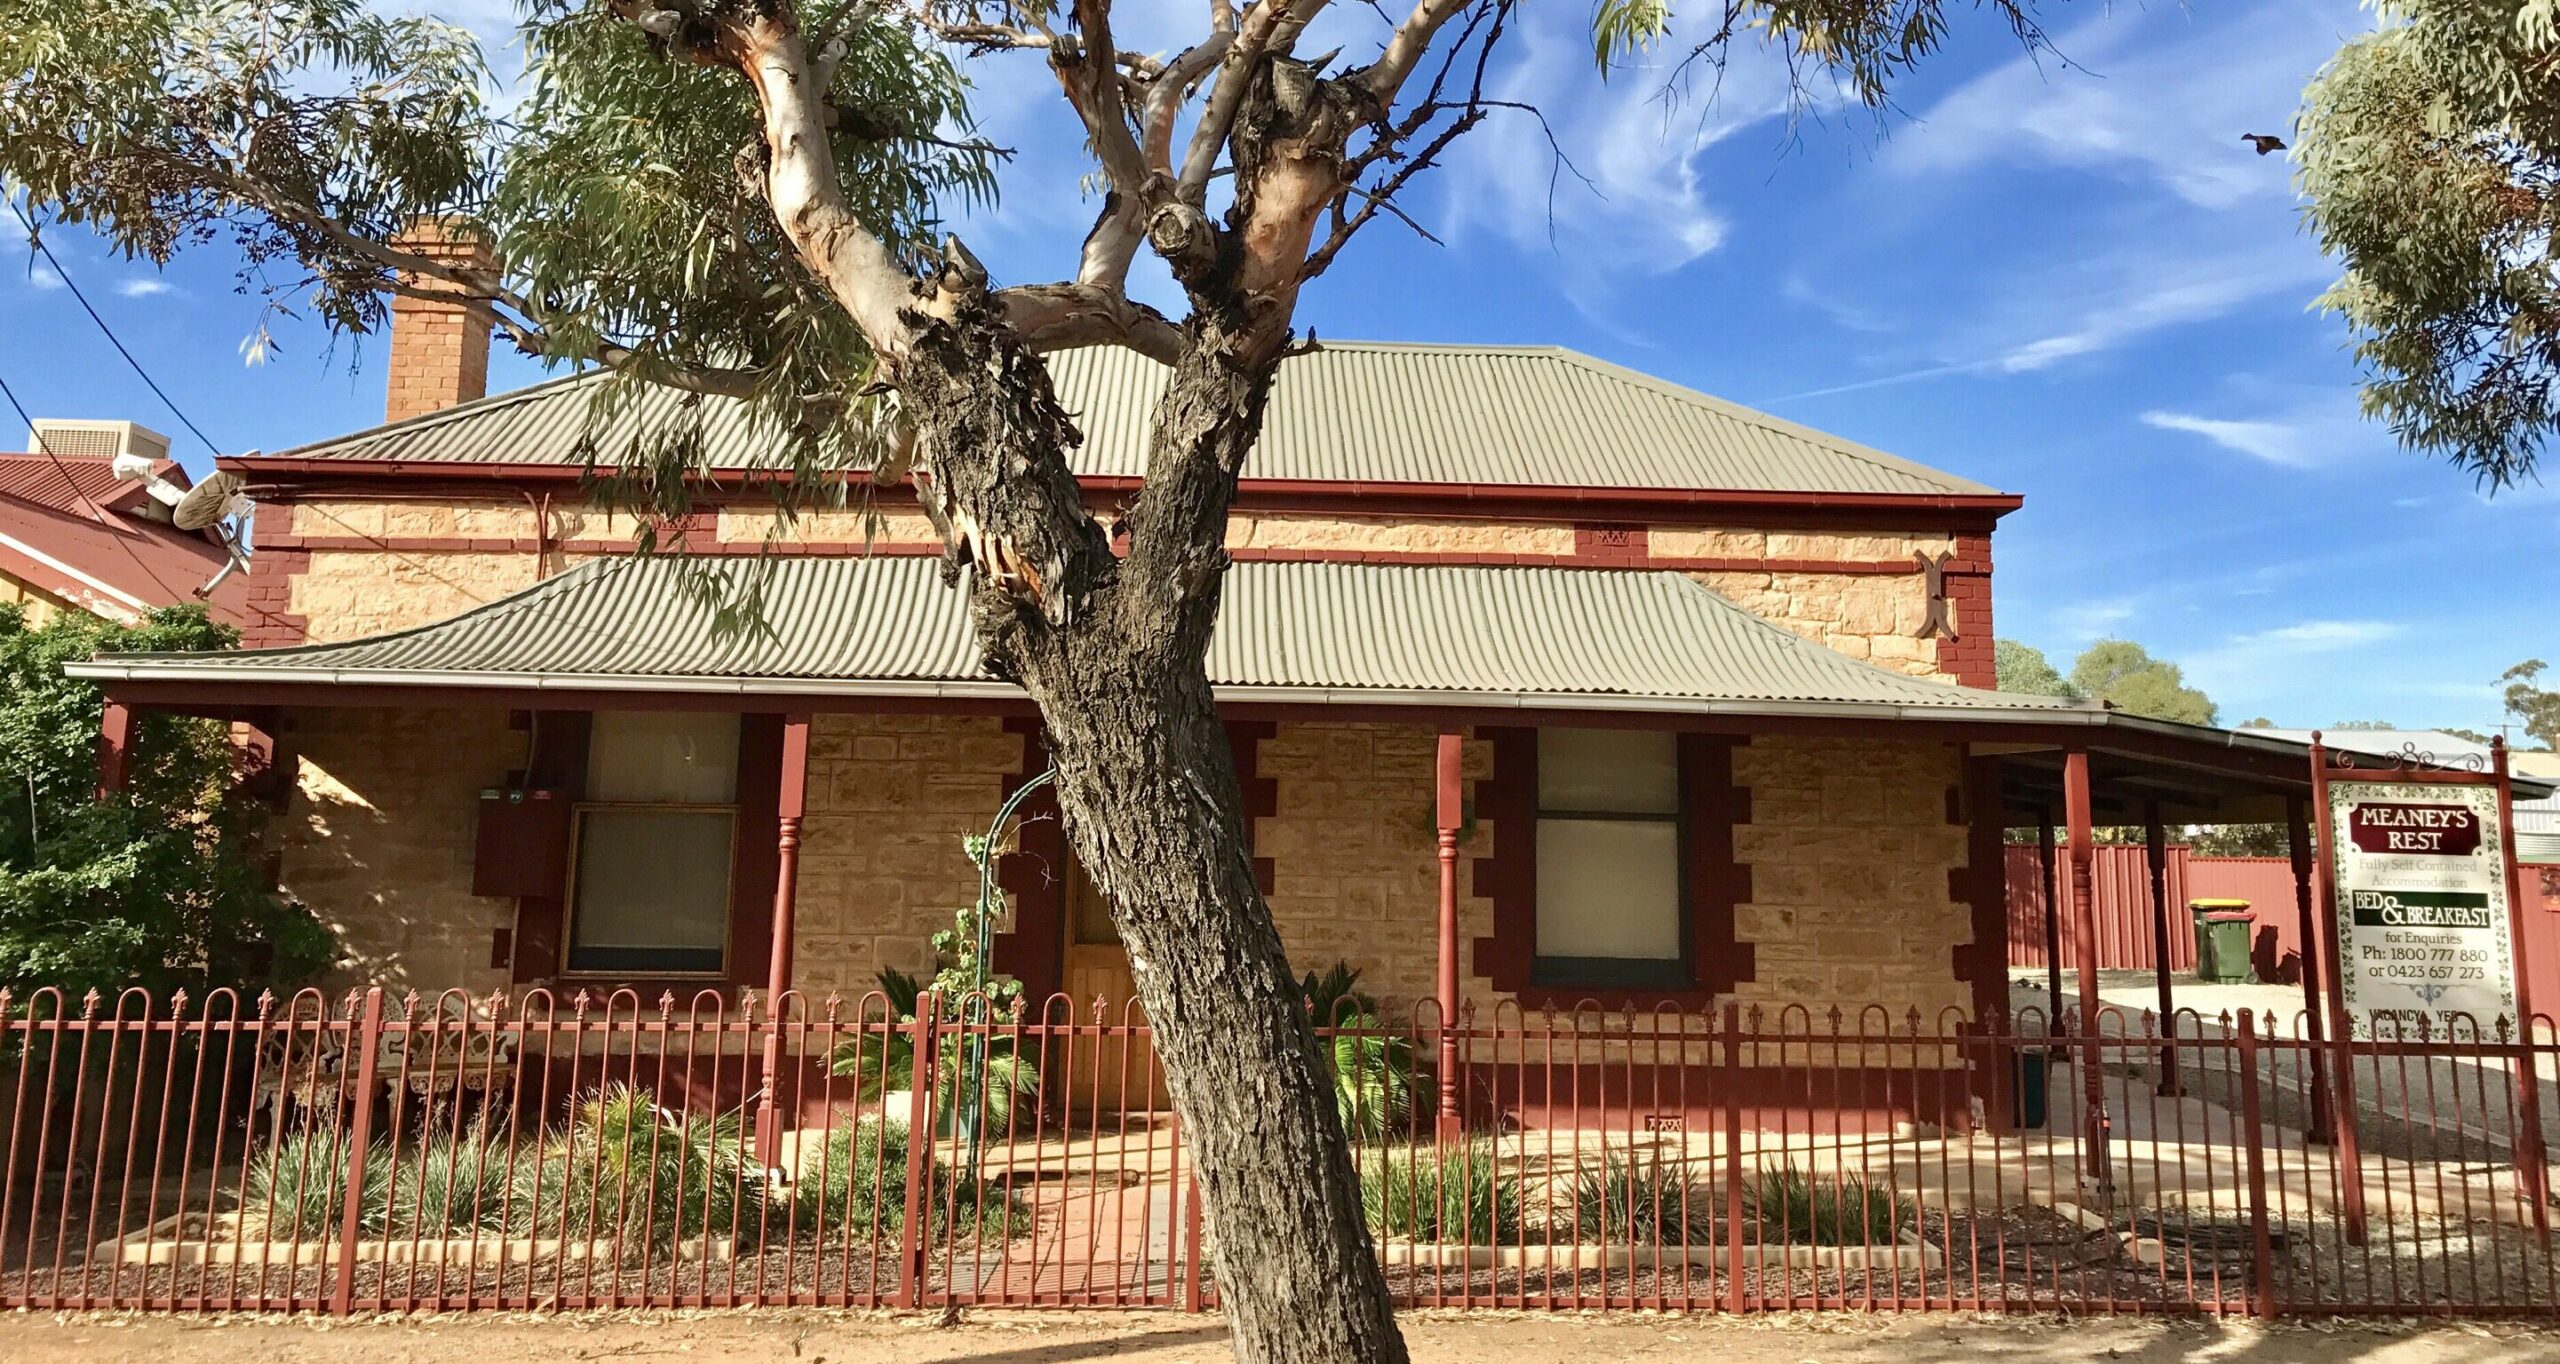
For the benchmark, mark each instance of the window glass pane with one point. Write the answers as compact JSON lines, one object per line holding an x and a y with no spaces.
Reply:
{"x":663,"y":757}
{"x":653,"y":890}
{"x":1609,"y":888}
{"x":1631,"y":771}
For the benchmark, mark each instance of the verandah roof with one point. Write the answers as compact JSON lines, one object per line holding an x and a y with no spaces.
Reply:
{"x":1313,"y":631}
{"x":1441,"y":639}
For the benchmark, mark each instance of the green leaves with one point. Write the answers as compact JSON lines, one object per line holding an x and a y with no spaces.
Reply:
{"x":2427,"y":154}
{"x":1855,"y":48}
{"x":1622,"y":28}
{"x":156,"y":886}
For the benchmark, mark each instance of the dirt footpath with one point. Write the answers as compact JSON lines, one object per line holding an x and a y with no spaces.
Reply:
{"x":1031,"y":1338}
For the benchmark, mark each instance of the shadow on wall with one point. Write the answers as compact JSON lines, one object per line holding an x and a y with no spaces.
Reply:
{"x":378,"y":842}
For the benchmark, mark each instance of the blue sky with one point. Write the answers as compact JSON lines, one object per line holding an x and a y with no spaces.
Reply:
{"x":2065,"y":278}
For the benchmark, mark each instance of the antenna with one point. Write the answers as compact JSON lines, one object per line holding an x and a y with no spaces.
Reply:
{"x":218,"y":498}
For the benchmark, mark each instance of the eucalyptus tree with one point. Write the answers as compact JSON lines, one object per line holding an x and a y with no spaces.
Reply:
{"x":739,"y":197}
{"x":2429,"y":153}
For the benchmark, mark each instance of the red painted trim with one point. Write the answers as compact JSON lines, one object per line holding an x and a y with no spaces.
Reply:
{"x":1982,"y":885}
{"x":755,"y":867}
{"x":1509,"y":878}
{"x":450,"y":544}
{"x":1558,"y":502}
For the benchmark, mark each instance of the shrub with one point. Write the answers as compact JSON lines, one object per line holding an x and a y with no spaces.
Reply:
{"x":297,"y":1185}
{"x":455,"y":1183}
{"x":629,"y":1168}
{"x":1453,"y":1195}
{"x":1843,"y":1210}
{"x":859,"y":1177}
{"x":1652,"y":1203}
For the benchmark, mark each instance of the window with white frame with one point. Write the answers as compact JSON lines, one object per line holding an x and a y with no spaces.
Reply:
{"x":655,"y":838}
{"x":1612,"y":870}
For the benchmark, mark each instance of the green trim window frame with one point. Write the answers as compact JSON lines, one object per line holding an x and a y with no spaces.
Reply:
{"x":1613,"y":858}
{"x":654,"y":847}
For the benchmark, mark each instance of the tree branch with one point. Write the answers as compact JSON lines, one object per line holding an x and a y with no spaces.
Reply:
{"x":1055,"y":317}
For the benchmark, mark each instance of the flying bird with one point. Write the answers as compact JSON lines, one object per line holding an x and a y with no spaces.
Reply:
{"x":2263,"y":142}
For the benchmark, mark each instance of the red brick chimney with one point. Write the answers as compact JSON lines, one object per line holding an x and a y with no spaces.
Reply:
{"x":439,"y":351}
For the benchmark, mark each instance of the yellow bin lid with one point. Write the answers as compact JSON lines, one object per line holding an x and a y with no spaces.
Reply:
{"x":2217,"y":904}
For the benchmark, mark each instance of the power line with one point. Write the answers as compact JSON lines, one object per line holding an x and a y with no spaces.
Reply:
{"x":36,"y":240}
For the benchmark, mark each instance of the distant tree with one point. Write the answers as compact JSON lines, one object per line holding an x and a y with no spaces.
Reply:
{"x":2124,"y":674}
{"x":2260,"y":722}
{"x":2024,"y":669}
{"x":2535,"y":707}
{"x":2369,"y":725}
{"x":2238,"y":840}
{"x":2429,"y":152}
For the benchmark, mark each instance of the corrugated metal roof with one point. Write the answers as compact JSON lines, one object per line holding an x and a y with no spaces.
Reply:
{"x":1351,"y":411}
{"x":1330,"y":626}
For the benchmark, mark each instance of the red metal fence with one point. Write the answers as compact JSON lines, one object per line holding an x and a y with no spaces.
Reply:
{"x":546,"y":1154}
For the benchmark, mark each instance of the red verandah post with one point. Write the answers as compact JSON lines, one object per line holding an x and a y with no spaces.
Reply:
{"x":1452,"y":817}
{"x":367,"y":1042}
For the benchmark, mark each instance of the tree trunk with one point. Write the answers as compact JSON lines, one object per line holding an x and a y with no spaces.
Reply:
{"x":1148,"y":790}
{"x":1113,"y":652}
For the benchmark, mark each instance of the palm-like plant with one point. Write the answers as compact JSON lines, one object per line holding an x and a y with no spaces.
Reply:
{"x":1372,"y":1068}
{"x":631,"y":1170}
{"x":885,"y":1062}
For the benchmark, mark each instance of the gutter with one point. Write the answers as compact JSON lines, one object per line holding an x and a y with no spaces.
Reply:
{"x":1254,"y":489}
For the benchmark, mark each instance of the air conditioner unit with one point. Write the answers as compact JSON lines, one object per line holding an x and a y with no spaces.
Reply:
{"x":97,"y":439}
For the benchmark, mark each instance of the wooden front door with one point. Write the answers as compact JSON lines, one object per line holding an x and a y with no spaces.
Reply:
{"x":1105,"y":1072}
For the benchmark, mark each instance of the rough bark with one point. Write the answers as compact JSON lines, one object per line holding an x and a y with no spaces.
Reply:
{"x":1113,"y":653}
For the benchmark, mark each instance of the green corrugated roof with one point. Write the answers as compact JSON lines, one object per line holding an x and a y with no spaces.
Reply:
{"x":1351,"y":411}
{"x":1648,"y":640}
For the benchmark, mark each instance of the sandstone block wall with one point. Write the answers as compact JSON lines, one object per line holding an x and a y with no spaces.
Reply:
{"x":1849,"y":848}
{"x":378,"y":841}
{"x":1356,"y":870}
{"x":882,"y":867}
{"x":352,"y":567}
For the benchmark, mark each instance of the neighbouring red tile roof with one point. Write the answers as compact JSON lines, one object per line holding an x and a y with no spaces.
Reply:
{"x":114,"y":565}
{"x":64,"y":481}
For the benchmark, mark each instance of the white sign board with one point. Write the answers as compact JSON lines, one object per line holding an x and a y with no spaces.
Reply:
{"x":2421,"y":911}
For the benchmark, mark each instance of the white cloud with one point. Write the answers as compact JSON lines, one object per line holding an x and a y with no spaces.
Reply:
{"x":143,"y":287}
{"x":2102,"y":303}
{"x":2273,"y":442}
{"x":2261,"y":662}
{"x":2162,"y":96}
{"x":1638,"y":207}
{"x":2295,"y":430}
{"x":2084,"y":621}
{"x":43,"y":277}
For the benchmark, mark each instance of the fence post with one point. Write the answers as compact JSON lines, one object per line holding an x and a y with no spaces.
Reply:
{"x":2262,"y":1258}
{"x":924,"y":1072}
{"x":1732,"y":1096}
{"x":367,"y":1040}
{"x":1190,"y":1224}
